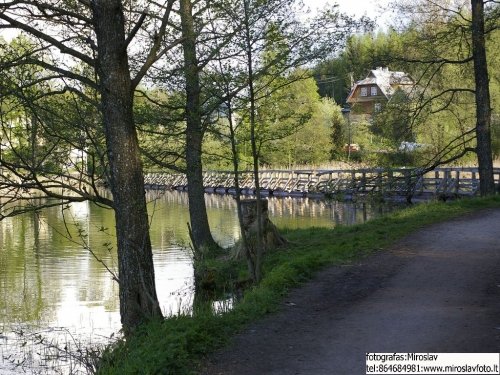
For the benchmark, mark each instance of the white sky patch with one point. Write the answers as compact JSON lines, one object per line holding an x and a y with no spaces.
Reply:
{"x":8,"y":34}
{"x":375,"y":9}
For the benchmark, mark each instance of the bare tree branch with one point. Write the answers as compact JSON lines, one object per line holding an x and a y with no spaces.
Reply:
{"x":155,"y":53}
{"x":63,"y":48}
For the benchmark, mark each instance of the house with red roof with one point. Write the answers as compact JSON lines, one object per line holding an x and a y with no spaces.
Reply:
{"x":369,"y":95}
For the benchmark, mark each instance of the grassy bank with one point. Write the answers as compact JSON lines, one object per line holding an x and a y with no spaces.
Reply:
{"x":176,"y":345}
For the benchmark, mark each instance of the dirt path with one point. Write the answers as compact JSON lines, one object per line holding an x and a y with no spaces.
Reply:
{"x":438,"y":290}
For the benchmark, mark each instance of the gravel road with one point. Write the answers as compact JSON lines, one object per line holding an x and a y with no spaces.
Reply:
{"x":438,"y":290}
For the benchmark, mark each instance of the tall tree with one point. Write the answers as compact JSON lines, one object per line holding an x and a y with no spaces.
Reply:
{"x":448,"y":40}
{"x":138,"y":298}
{"x":90,"y":42}
{"x":483,"y":105}
{"x":200,"y":229}
{"x":270,"y":41}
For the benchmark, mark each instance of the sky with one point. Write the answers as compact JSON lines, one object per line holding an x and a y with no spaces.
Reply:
{"x":358,"y":8}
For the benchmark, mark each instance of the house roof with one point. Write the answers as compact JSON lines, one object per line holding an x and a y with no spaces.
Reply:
{"x":388,"y":82}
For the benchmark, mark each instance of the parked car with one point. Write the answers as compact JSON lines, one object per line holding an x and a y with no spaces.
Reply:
{"x":411,"y":146}
{"x":353,"y":147}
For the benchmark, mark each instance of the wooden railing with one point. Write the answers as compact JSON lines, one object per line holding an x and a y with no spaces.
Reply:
{"x":403,"y":182}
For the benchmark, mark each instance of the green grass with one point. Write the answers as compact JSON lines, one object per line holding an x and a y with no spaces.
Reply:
{"x":177,"y":345}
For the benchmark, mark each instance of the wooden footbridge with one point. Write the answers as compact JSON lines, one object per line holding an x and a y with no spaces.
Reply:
{"x":403,"y":183}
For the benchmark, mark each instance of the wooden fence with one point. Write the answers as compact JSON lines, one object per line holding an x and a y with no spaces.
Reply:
{"x":403,"y":182}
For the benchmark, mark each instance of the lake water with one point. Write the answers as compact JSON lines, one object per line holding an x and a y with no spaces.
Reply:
{"x":53,"y":289}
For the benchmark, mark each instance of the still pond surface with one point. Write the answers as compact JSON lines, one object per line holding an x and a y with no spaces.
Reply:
{"x":53,"y":288}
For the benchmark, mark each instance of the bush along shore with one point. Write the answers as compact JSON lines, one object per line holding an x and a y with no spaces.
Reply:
{"x":178,"y":344}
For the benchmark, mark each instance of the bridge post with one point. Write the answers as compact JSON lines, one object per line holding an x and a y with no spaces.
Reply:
{"x":447,"y":178}
{"x":408,"y":183}
{"x":390,"y":182}
{"x":380,"y":187}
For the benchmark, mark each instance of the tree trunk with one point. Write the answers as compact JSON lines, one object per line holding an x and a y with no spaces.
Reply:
{"x":255,"y":152}
{"x":244,"y":241}
{"x":268,"y":232}
{"x":138,"y":300}
{"x":483,"y":110}
{"x":201,"y":235}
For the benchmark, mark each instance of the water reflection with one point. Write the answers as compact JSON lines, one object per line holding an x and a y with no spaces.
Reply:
{"x":49,"y":278}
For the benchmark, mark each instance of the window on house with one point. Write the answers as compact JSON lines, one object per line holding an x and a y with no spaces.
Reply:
{"x":373,"y":91}
{"x":364,"y":91}
{"x":378,"y":107}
